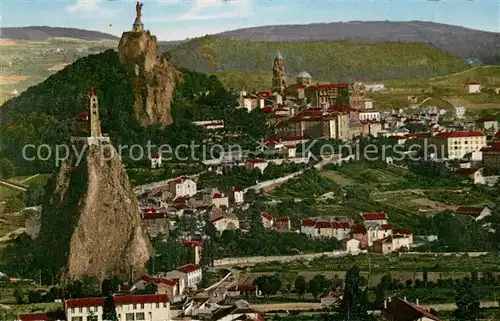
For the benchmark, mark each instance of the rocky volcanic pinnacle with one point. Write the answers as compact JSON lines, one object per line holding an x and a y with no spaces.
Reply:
{"x":90,"y":222}
{"x":153,"y":78}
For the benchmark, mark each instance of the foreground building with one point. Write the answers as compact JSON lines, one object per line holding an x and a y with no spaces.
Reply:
{"x":128,"y":307}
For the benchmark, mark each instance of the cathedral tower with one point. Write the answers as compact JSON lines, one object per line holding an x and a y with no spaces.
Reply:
{"x":95,"y":123}
{"x":279,"y":75}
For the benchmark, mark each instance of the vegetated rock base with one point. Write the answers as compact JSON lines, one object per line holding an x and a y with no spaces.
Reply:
{"x":91,"y":225}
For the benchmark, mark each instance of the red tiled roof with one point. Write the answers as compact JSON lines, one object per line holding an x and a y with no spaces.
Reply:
{"x":188,"y":268}
{"x":484,"y":119}
{"x":266,"y":216}
{"x":83,"y":114}
{"x":39,"y":316}
{"x":192,"y":243}
{"x":466,"y":171}
{"x":460,"y":134}
{"x":299,"y":86}
{"x":307,"y":222}
{"x":323,"y":224}
{"x":152,"y":216}
{"x":312,"y":112}
{"x":217,"y":195}
{"x":386,"y":227}
{"x":473,"y":83}
{"x":217,"y":218}
{"x":148,"y":210}
{"x":328,"y":86}
{"x":266,"y":109}
{"x":373,"y":216}
{"x":338,"y":225}
{"x":119,"y":300}
{"x":236,"y":188}
{"x":180,"y":179}
{"x":179,"y":200}
{"x":402,"y":231}
{"x":399,"y":309}
{"x":469,"y":210}
{"x":155,"y":155}
{"x":180,"y":206}
{"x":342,"y":108}
{"x":282,"y":219}
{"x":92,"y":93}
{"x":149,"y":279}
{"x":495,"y":147}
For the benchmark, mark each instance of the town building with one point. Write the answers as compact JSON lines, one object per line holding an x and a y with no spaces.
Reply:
{"x":182,"y":187}
{"x":267,"y":220}
{"x":391,"y":244}
{"x":128,"y":307}
{"x":477,"y":213}
{"x":455,"y":145}
{"x":223,"y":223}
{"x":369,"y":115}
{"x":283,"y":224}
{"x":250,"y":101}
{"x":329,"y":94}
{"x":368,"y":104}
{"x":304,"y":79}
{"x":474,"y":175}
{"x":487,"y":125}
{"x":351,"y":246}
{"x":174,"y":288}
{"x":401,"y":310}
{"x":357,"y":95}
{"x":155,"y":221}
{"x":236,"y":195}
{"x":258,"y":163}
{"x":156,"y":160}
{"x":325,"y":228}
{"x":473,"y":87}
{"x":378,"y":218}
{"x":219,"y":200}
{"x":491,"y":157}
{"x":190,"y":273}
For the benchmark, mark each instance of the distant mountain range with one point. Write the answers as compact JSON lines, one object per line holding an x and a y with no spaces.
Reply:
{"x":44,"y":33}
{"x":460,"y":41}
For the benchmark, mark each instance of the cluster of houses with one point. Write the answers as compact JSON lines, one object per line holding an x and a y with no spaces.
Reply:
{"x":374,"y":233}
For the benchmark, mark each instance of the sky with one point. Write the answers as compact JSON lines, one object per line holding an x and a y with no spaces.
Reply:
{"x":181,"y":19}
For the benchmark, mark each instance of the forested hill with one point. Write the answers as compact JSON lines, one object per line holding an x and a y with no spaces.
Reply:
{"x":336,"y":61}
{"x":43,"y":33}
{"x":457,"y":40}
{"x":43,"y":113}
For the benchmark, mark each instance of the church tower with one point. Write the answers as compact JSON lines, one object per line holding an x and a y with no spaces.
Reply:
{"x":95,"y":123}
{"x":279,"y":75}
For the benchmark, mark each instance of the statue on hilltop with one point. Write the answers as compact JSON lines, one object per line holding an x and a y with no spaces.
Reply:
{"x":138,"y":26}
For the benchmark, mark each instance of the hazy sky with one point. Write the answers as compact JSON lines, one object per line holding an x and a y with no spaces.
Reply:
{"x":179,"y":19}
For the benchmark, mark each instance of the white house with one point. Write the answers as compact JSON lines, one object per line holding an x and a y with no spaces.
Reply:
{"x":458,"y":112}
{"x":473,"y":88}
{"x":267,"y":220}
{"x":477,"y":213}
{"x":237,"y":195}
{"x":378,"y":218}
{"x":182,"y":187}
{"x":368,"y":103}
{"x":223,"y":223}
{"x":220,"y":200}
{"x":391,"y":243}
{"x":261,"y":164}
{"x":191,"y":273}
{"x":351,"y":245}
{"x":369,"y":115}
{"x":156,"y":161}
{"x":128,"y":307}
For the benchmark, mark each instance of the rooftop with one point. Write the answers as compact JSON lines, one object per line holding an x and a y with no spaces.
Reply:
{"x":188,"y":268}
{"x":119,"y":300}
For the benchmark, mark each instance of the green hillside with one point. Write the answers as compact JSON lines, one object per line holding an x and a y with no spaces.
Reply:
{"x":335,"y":61}
{"x":43,"y":113}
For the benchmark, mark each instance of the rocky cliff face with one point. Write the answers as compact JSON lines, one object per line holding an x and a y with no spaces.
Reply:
{"x":154,"y":78}
{"x":90,"y":222}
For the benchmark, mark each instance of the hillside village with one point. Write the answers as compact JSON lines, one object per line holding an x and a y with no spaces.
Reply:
{"x":196,"y":224}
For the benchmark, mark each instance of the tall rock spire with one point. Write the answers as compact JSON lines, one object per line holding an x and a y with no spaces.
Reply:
{"x":279,"y":75}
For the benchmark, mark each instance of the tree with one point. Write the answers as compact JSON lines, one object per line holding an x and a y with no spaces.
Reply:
{"x":467,"y":301}
{"x":256,"y":225}
{"x":7,"y":169}
{"x":425,"y":276}
{"x":109,"y":309}
{"x":355,"y":302}
{"x":319,"y":284}
{"x":18,"y":294}
{"x":14,"y":204}
{"x":35,"y":194}
{"x":300,"y":285}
